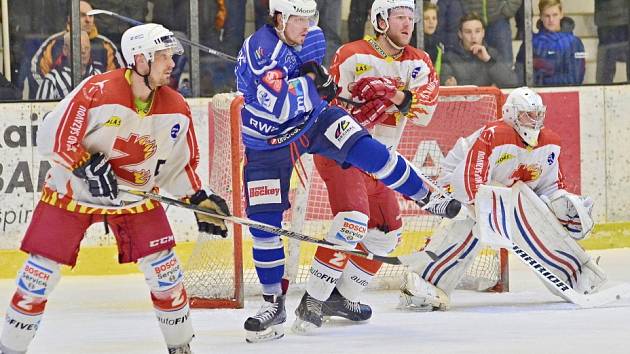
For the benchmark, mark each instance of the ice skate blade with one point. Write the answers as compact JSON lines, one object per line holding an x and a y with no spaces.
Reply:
{"x":271,"y":333}
{"x":302,"y":327}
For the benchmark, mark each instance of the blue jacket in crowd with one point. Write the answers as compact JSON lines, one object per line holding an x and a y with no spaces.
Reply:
{"x":559,"y":57}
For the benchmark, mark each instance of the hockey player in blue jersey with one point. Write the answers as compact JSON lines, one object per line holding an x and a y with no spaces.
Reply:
{"x":286,"y":114}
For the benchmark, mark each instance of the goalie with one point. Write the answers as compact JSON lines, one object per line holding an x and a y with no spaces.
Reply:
{"x":516,"y":152}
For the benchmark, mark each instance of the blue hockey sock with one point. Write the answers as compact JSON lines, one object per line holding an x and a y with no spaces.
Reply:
{"x":392,"y":169}
{"x":268,"y":251}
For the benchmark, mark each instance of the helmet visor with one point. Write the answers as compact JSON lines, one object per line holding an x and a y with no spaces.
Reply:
{"x":310,"y":21}
{"x":170,"y":42}
{"x":404,"y":12}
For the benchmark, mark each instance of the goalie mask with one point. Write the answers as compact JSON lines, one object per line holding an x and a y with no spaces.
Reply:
{"x":146,"y":40}
{"x":525,"y":112}
{"x":301,"y":8}
{"x":382,"y":8}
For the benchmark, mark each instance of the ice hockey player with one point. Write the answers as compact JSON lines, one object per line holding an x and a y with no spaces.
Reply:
{"x":123,"y":128}
{"x":518,"y":152}
{"x":397,"y":83}
{"x":286,"y":114}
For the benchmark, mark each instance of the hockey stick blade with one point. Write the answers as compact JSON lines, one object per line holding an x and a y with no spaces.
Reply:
{"x":251,"y":223}
{"x":181,"y":38}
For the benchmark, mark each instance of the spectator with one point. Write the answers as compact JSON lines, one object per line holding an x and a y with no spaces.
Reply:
{"x":104,"y":53}
{"x":449,"y":14}
{"x":472,"y":62}
{"x":432,"y":44}
{"x":330,"y":23}
{"x":359,"y":13}
{"x":261,"y":12}
{"x":112,"y":27}
{"x":496,"y":15}
{"x":559,"y":57}
{"x":58,"y":82}
{"x":612,"y":18}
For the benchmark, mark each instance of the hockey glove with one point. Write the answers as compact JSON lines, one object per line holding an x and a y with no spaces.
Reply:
{"x":326,"y":85}
{"x":439,"y":205}
{"x":100,"y":177}
{"x":369,"y":88}
{"x":372,"y":112}
{"x":215,"y":204}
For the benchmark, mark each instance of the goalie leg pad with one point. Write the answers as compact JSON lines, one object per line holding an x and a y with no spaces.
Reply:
{"x":453,"y":248}
{"x":541,"y":234}
{"x":325,"y":272}
{"x":35,"y":281}
{"x":417,"y":294}
{"x":163,"y":274}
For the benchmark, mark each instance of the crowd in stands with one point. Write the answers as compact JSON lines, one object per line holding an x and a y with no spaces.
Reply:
{"x":469,"y":41}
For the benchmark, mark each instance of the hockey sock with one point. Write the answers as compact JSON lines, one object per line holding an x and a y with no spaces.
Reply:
{"x":268,"y":253}
{"x":325,"y":272}
{"x":37,"y":278}
{"x":164,"y":276}
{"x":391,"y":168}
{"x":357,"y":276}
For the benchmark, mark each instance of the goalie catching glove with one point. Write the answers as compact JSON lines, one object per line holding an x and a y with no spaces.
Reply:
{"x":215,"y":204}
{"x":326,"y":85}
{"x":100,"y":177}
{"x":573,"y":211}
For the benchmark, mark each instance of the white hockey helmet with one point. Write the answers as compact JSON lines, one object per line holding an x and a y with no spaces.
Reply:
{"x":146,"y":40}
{"x":382,"y":8}
{"x":288,"y":8}
{"x":524,"y":110}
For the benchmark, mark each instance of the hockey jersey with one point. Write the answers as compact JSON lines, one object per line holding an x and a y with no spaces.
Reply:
{"x":413,"y":68}
{"x":147,"y":150}
{"x":497,"y":154}
{"x":280,"y":105}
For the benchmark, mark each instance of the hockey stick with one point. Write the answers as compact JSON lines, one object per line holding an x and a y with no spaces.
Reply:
{"x":181,"y":38}
{"x":257,"y":225}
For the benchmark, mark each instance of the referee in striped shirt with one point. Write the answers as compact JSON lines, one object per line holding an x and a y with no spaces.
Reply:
{"x":58,"y":82}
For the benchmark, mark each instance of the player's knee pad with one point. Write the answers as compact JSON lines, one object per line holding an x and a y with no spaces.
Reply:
{"x":448,"y":253}
{"x":381,"y":243}
{"x":163,"y":274}
{"x":36,"y":280}
{"x":417,"y":294}
{"x":540,"y":234}
{"x":348,"y":228}
{"x":325,"y":272}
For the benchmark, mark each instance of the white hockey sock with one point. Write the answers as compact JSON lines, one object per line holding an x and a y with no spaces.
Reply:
{"x":353,"y":281}
{"x":322,"y":280}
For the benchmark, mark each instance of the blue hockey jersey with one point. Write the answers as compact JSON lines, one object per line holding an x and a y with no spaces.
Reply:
{"x":279,"y":105}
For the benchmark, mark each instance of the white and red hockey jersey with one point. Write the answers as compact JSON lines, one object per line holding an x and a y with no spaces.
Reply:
{"x":364,"y":58}
{"x":496,"y":153}
{"x":147,"y":150}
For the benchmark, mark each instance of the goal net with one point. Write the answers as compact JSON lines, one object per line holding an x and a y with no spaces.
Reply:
{"x":221,"y":271}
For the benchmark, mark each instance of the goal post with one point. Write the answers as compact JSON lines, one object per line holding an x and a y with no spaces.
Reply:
{"x":221,"y":271}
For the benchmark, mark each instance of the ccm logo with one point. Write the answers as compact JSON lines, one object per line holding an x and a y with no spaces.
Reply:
{"x":162,"y":241}
{"x":354,"y":227}
{"x":166,"y":266}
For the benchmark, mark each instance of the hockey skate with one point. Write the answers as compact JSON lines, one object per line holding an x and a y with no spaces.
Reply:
{"x":182,"y":349}
{"x":309,"y":314}
{"x":267,"y":324}
{"x":338,"y":305}
{"x":439,"y":205}
{"x":416,"y":294}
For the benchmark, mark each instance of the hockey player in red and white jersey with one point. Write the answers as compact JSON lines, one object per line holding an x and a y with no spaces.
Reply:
{"x":518,"y":152}
{"x":123,"y":128}
{"x":396,"y":83}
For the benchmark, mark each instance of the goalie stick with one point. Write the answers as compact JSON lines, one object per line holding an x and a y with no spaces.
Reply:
{"x":180,"y":37}
{"x":257,"y":225}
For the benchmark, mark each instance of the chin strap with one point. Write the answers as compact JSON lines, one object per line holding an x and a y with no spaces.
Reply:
{"x":397,"y":47}
{"x":145,"y":77}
